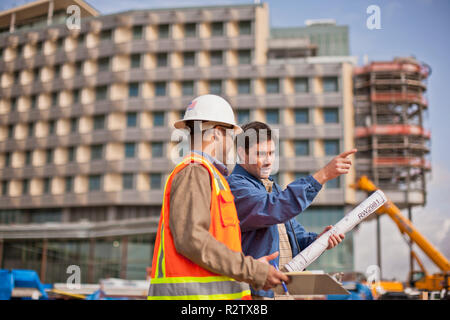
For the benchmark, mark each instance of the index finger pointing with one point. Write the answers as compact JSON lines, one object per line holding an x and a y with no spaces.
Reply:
{"x":347,"y":153}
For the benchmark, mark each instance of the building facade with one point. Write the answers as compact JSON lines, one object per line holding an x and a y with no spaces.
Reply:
{"x":86,"y":121}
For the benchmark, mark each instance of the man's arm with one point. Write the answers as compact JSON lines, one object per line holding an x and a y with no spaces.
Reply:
{"x":259,"y":209}
{"x":189,"y":222}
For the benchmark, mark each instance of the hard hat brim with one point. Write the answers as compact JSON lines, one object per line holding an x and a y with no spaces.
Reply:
{"x":180,"y":124}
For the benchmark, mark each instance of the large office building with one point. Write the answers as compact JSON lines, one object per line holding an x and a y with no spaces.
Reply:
{"x":86,"y":122}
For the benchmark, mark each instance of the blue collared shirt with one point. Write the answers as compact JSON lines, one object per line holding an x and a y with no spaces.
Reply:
{"x":259,"y":213}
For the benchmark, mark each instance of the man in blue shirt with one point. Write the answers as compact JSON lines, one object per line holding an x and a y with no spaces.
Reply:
{"x":266,"y":212}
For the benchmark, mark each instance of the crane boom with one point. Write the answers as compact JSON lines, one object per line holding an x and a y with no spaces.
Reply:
{"x":407,"y":227}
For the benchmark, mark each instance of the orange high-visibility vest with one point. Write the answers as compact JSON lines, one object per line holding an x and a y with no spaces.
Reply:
{"x":176,"y":277}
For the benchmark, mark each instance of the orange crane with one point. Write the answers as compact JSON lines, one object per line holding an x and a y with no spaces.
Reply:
{"x":421,"y":280}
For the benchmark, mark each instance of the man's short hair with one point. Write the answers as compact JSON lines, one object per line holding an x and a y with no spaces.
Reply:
{"x":253,"y":133}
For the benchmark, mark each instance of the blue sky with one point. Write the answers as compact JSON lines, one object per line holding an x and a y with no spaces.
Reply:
{"x":409,"y":27}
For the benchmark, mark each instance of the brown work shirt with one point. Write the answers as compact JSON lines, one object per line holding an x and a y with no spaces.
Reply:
{"x":189,"y":222}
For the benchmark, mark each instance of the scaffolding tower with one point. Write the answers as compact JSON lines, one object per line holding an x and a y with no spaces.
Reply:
{"x":392,"y":141}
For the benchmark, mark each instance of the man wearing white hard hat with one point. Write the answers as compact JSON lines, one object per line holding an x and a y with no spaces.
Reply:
{"x":198,"y":253}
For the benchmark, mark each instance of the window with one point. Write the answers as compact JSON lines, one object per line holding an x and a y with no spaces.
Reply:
{"x":272,"y":116}
{"x":76,"y":96}
{"x":243,"y":116}
{"x":155,"y":181}
{"x":13,"y":104}
{"x":51,"y":127}
{"x":135,"y":61}
{"x":215,"y":87}
{"x":160,"y":88}
{"x":28,"y":158}
{"x":244,"y":86}
{"x":73,"y":125}
{"x":301,"y":115}
{"x":137,"y":32}
{"x":157,"y":149}
{"x":16,"y":76}
{"x":158,"y":118}
{"x":245,"y":27}
{"x":7,"y":159}
{"x":331,"y":115}
{"x":78,"y":68}
{"x":46,"y":185}
{"x":272,"y":86}
{"x":54,"y":98}
{"x":30,"y":129}
{"x":300,"y":174}
{"x":333,"y":184}
{"x":131,"y":119}
{"x":71,"y":154}
{"x":331,"y":147}
{"x":301,"y":148}
{"x":33,"y":102}
{"x":216,"y":58}
{"x":161,"y":59}
{"x":330,"y":84}
{"x":4,"y":188}
{"x":244,"y":56}
{"x":94,"y":182}
{"x":49,"y":156}
{"x":187,"y":88}
{"x":36,"y":73}
{"x":128,"y":181}
{"x":99,"y":122}
{"x":39,"y":47}
{"x":101,"y":92}
{"x":106,"y":35}
{"x":188,"y":58}
{"x":25,"y":186}
{"x":57,"y":71}
{"x":217,"y":29}
{"x":81,"y":39}
{"x":96,"y":152}
{"x":163,"y":31}
{"x":60,"y":43}
{"x":103,"y":64}
{"x":10,"y":131}
{"x":133,"y":89}
{"x":190,"y":30}
{"x":301,"y":85}
{"x":69,"y":184}
{"x":130,"y":150}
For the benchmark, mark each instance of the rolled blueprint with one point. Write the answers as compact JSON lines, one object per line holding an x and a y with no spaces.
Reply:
{"x":347,"y":223}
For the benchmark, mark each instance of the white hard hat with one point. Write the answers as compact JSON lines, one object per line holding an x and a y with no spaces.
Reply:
{"x":211,"y":108}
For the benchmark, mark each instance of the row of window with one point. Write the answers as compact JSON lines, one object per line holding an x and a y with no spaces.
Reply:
{"x":95,"y":183}
{"x":244,"y":86}
{"x":98,"y":123}
{"x":97,"y":152}
{"x":188,"y":58}
{"x":302,"y":147}
{"x":301,"y":116}
{"x":164,"y":31}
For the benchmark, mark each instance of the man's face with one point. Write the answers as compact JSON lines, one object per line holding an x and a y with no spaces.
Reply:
{"x":260,"y":158}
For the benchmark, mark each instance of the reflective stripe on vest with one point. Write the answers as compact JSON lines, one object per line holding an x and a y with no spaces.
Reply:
{"x":188,"y":287}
